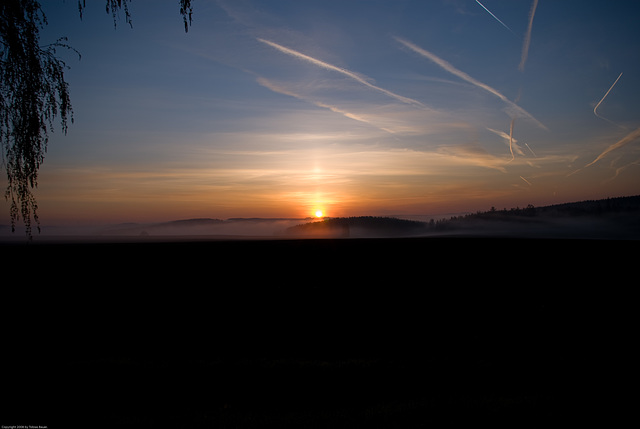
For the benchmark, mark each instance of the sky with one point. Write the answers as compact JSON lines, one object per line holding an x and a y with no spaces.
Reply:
{"x":282,"y":108}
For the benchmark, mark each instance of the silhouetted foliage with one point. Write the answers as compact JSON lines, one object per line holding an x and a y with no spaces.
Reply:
{"x":594,"y":207}
{"x":629,"y":207}
{"x":113,"y":6}
{"x":33,"y":92}
{"x":186,"y":10}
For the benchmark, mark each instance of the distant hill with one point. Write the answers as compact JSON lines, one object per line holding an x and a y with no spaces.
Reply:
{"x":360,"y":226}
{"x":192,"y":222}
{"x":594,"y":207}
{"x":175,"y":226}
{"x":611,"y":218}
{"x":205,"y":227}
{"x":589,"y":208}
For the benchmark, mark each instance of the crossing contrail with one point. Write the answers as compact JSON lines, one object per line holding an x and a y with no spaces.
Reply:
{"x":345,"y":72}
{"x":510,"y":140}
{"x":595,"y":109}
{"x":527,"y":37}
{"x":496,"y":18}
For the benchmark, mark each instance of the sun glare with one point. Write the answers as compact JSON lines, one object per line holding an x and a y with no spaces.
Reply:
{"x":319,"y":213}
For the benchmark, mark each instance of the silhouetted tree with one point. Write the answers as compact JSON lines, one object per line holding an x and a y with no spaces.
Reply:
{"x":530,"y":210}
{"x":33,"y":92}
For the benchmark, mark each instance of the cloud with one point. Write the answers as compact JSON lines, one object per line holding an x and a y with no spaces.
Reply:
{"x":473,"y":154}
{"x":340,"y":70}
{"x":527,"y":36}
{"x":512,"y":107}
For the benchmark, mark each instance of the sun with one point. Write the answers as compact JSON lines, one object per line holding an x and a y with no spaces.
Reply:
{"x":319,"y":213}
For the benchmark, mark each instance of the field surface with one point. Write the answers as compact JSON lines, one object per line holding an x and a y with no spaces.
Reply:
{"x":412,"y":332}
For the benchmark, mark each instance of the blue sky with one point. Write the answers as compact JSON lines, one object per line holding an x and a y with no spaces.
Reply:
{"x":280,"y":108}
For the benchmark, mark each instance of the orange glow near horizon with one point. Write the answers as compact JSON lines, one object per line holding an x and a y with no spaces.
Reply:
{"x":281,"y":121}
{"x":356,"y":181}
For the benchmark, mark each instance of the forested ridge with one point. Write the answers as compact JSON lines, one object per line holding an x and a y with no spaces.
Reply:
{"x":626,"y":209}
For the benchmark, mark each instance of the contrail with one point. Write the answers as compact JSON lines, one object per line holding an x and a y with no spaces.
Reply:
{"x":276,"y":88}
{"x":528,"y":183}
{"x":527,"y":37}
{"x":623,"y":142}
{"x":495,"y":17}
{"x":513,"y":147}
{"x":620,"y":169}
{"x":595,"y":109}
{"x":531,"y":150}
{"x":511,"y":140}
{"x":501,"y":134}
{"x":462,"y":75}
{"x":345,"y":72}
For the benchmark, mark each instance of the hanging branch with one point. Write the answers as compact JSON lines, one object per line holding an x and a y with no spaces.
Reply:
{"x":32,"y":93}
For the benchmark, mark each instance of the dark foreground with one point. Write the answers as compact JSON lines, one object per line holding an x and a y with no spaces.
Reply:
{"x":422,"y":332}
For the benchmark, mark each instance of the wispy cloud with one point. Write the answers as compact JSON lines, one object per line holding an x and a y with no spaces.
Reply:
{"x":527,"y":37}
{"x":345,"y":72}
{"x":513,"y":108}
{"x":595,"y":109}
{"x":495,"y":17}
{"x":473,"y":154}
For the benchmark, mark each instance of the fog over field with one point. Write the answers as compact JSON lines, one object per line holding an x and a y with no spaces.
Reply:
{"x":205,"y":227}
{"x":617,"y":219}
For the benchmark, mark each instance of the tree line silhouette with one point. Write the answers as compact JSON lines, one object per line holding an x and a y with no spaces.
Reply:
{"x":344,"y":226}
{"x":592,"y":208}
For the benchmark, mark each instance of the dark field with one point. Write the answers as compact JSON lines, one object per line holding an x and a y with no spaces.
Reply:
{"x":416,"y":332}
